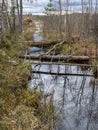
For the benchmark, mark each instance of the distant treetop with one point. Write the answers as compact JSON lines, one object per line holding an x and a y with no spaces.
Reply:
{"x":50,"y":9}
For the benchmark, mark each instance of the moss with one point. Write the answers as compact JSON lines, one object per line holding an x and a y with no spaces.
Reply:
{"x":28,"y":34}
{"x":4,"y":126}
{"x":20,"y":107}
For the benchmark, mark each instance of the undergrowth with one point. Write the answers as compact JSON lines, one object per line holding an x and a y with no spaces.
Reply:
{"x":21,"y":108}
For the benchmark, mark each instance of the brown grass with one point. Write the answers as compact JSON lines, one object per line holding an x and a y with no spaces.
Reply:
{"x":84,"y":48}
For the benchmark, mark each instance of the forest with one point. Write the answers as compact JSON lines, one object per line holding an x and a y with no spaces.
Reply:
{"x":49,"y":65}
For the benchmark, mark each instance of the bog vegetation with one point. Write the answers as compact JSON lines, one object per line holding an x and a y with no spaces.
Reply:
{"x":22,"y":108}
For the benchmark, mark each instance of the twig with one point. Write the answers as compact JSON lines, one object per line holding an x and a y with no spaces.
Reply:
{"x":58,"y":44}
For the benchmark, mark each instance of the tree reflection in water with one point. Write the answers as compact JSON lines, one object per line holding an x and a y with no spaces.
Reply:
{"x":75,"y":97}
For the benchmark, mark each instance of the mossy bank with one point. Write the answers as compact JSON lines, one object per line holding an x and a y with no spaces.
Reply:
{"x":21,"y":108}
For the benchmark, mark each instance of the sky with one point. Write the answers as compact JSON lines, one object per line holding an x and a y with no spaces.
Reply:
{"x":37,"y":6}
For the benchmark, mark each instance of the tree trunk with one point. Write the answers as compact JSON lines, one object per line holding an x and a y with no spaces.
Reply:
{"x":13,"y":14}
{"x":18,"y":13}
{"x":21,"y":13}
{"x":60,"y":18}
{"x":82,"y":3}
{"x":0,"y":21}
{"x":68,"y":31}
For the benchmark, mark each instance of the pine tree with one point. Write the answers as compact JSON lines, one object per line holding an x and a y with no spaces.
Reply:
{"x":50,"y":9}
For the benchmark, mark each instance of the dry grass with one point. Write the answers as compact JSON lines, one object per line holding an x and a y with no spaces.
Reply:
{"x":29,"y":29}
{"x":81,"y":48}
{"x":21,"y":108}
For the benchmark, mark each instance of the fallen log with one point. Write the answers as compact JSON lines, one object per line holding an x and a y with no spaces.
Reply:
{"x":57,"y":58}
{"x":40,"y":44}
{"x":61,"y":74}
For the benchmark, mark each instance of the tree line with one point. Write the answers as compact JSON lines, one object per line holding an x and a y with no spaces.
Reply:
{"x":11,"y":17}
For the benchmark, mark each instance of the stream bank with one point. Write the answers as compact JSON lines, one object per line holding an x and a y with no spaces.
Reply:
{"x":75,"y":97}
{"x":20,"y":106}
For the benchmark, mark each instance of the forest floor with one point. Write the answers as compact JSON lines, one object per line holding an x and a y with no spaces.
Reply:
{"x":21,"y":108}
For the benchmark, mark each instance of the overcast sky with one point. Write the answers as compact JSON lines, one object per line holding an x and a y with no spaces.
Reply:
{"x":37,"y":7}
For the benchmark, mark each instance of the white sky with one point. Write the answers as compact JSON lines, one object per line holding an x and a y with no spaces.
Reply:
{"x":37,"y":7}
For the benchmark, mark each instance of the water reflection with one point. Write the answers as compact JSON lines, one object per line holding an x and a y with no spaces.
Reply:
{"x":75,"y":97}
{"x":37,"y":35}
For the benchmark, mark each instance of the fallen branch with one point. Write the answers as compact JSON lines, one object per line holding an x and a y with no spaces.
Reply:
{"x":58,"y":44}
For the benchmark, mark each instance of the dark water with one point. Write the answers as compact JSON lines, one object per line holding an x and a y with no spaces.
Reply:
{"x":75,"y":97}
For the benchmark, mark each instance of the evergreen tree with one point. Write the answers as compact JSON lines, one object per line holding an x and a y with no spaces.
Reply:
{"x":50,"y":9}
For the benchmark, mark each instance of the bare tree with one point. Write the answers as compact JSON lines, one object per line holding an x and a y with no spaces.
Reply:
{"x":90,"y":6}
{"x":21,"y":13}
{"x":68,"y":29}
{"x":18,"y":12}
{"x":1,"y":21}
{"x":16,"y":6}
{"x":82,"y":3}
{"x":96,"y":27}
{"x":13,"y":15}
{"x":60,"y":18}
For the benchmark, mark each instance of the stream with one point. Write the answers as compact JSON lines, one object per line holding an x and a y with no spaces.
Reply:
{"x":75,"y":97}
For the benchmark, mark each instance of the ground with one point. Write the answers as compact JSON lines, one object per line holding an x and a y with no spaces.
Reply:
{"x":21,"y":108}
